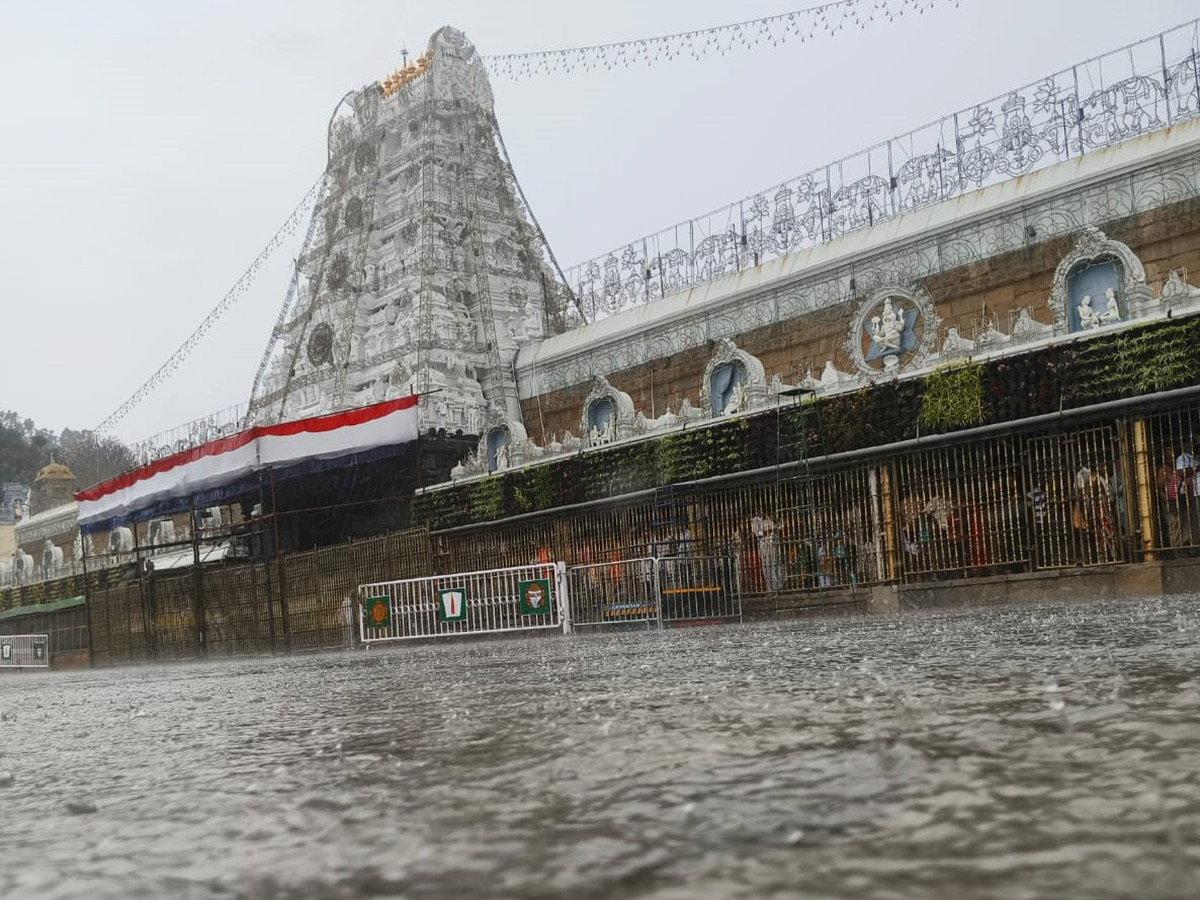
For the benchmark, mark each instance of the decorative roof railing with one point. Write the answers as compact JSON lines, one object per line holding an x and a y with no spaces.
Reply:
{"x":215,"y":425}
{"x":1138,"y":89}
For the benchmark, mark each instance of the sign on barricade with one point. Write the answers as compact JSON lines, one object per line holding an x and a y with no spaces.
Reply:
{"x":648,"y":591}
{"x":24,"y":651}
{"x":493,"y":601}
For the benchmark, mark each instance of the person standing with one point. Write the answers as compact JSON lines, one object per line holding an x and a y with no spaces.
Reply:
{"x":1182,"y":498}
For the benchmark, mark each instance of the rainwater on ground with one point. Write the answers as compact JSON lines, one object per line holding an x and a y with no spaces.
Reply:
{"x":1018,"y":752}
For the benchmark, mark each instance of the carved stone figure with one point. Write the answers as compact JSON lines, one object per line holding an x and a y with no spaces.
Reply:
{"x":1113,"y":312}
{"x":737,"y":399}
{"x":887,"y":329}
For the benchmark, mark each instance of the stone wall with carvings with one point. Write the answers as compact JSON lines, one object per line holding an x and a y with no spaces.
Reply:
{"x":981,"y":282}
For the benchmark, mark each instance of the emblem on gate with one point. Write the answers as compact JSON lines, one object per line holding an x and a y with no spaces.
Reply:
{"x":39,"y":651}
{"x":379,"y":611}
{"x":452,"y":604}
{"x":535,"y":597}
{"x":6,"y":651}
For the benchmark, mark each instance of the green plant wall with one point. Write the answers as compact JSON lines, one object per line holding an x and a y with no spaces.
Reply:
{"x":1135,"y":361}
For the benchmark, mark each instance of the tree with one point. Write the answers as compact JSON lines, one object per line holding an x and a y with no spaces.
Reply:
{"x":25,"y":449}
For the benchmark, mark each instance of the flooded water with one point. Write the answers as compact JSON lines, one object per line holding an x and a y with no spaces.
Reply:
{"x":1016,"y":752}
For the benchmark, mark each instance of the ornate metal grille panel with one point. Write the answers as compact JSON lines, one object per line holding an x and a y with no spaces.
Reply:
{"x":1128,"y":92}
{"x":1078,"y":497}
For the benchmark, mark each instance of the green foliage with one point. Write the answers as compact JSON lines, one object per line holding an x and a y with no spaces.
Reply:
{"x":486,"y":498}
{"x":25,"y":448}
{"x":953,"y":396}
{"x":1143,"y":360}
{"x":1136,"y":361}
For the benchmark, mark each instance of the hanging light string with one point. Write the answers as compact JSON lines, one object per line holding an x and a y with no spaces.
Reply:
{"x":801,"y":24}
{"x":175,"y":360}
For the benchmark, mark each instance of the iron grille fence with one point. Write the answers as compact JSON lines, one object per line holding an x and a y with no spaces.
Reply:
{"x":649,"y":591}
{"x":961,"y":509}
{"x":1122,"y":94}
{"x":1109,"y":491}
{"x":1078,"y":491}
{"x":699,"y":589}
{"x":622,"y":592}
{"x":1167,"y":447}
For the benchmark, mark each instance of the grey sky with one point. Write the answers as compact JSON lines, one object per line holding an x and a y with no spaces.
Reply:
{"x":150,"y":149}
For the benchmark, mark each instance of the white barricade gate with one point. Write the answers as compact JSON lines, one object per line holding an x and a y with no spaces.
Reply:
{"x":621,"y":592}
{"x":24,"y":651}
{"x":654,"y":592}
{"x":494,"y":601}
{"x":699,"y":589}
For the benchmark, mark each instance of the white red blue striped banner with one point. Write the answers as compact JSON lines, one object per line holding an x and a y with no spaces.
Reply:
{"x":227,"y":460}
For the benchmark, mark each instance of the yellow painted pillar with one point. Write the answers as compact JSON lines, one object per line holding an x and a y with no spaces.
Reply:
{"x":889,"y":521}
{"x":1145,"y":488}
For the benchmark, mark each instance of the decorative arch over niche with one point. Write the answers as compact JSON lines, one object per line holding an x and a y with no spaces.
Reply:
{"x":1095,"y":264}
{"x":607,"y":414}
{"x":733,"y":381}
{"x":503,"y":443}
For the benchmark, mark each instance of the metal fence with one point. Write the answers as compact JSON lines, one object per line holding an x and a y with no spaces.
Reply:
{"x":493,"y":601}
{"x":24,"y":651}
{"x":655,"y":591}
{"x":1165,"y":447}
{"x":1132,"y":91}
{"x":961,"y":509}
{"x":1111,"y":490}
{"x":1078,"y":495}
{"x":298,"y":601}
{"x":699,"y":589}
{"x":623,"y":592}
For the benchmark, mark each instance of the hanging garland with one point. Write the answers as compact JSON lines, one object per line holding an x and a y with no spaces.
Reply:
{"x":184,"y":350}
{"x":802,"y":25}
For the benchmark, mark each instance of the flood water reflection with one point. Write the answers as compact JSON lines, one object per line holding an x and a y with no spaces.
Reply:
{"x":1013,"y":752}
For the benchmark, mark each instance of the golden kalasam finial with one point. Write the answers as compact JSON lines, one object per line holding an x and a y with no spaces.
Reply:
{"x":408,"y":73}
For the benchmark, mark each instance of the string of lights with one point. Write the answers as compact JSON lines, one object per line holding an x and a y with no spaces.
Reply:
{"x":802,"y":24}
{"x":176,"y":359}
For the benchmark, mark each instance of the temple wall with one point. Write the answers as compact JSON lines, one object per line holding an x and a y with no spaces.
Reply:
{"x":980,"y":260}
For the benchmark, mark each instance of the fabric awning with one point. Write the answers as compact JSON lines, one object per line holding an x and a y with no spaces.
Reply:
{"x":171,"y":484}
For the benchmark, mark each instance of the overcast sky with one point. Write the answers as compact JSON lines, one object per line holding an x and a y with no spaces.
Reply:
{"x":150,"y":149}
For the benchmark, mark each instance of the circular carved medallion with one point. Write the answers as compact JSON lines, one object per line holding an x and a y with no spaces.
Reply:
{"x":892,"y":330}
{"x":320,"y":344}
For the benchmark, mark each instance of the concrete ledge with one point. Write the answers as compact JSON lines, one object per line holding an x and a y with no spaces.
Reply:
{"x":1151,"y":579}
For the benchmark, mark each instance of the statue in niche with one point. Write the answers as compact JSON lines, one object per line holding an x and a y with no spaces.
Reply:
{"x":737,"y":400}
{"x":503,"y":458}
{"x":887,"y":329}
{"x":1113,"y":312}
{"x":1089,"y":318}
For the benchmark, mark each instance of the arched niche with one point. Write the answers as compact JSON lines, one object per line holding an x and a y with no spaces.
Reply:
{"x":502,"y":444}
{"x":1100,"y":282}
{"x":733,"y":381}
{"x":607,"y":414}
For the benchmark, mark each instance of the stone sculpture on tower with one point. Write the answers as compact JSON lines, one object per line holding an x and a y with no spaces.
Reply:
{"x":423,"y":269}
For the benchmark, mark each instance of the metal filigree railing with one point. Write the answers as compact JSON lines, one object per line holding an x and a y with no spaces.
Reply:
{"x":1132,"y":91}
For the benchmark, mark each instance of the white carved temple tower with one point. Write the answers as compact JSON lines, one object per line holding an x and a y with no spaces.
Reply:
{"x":423,"y":269}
